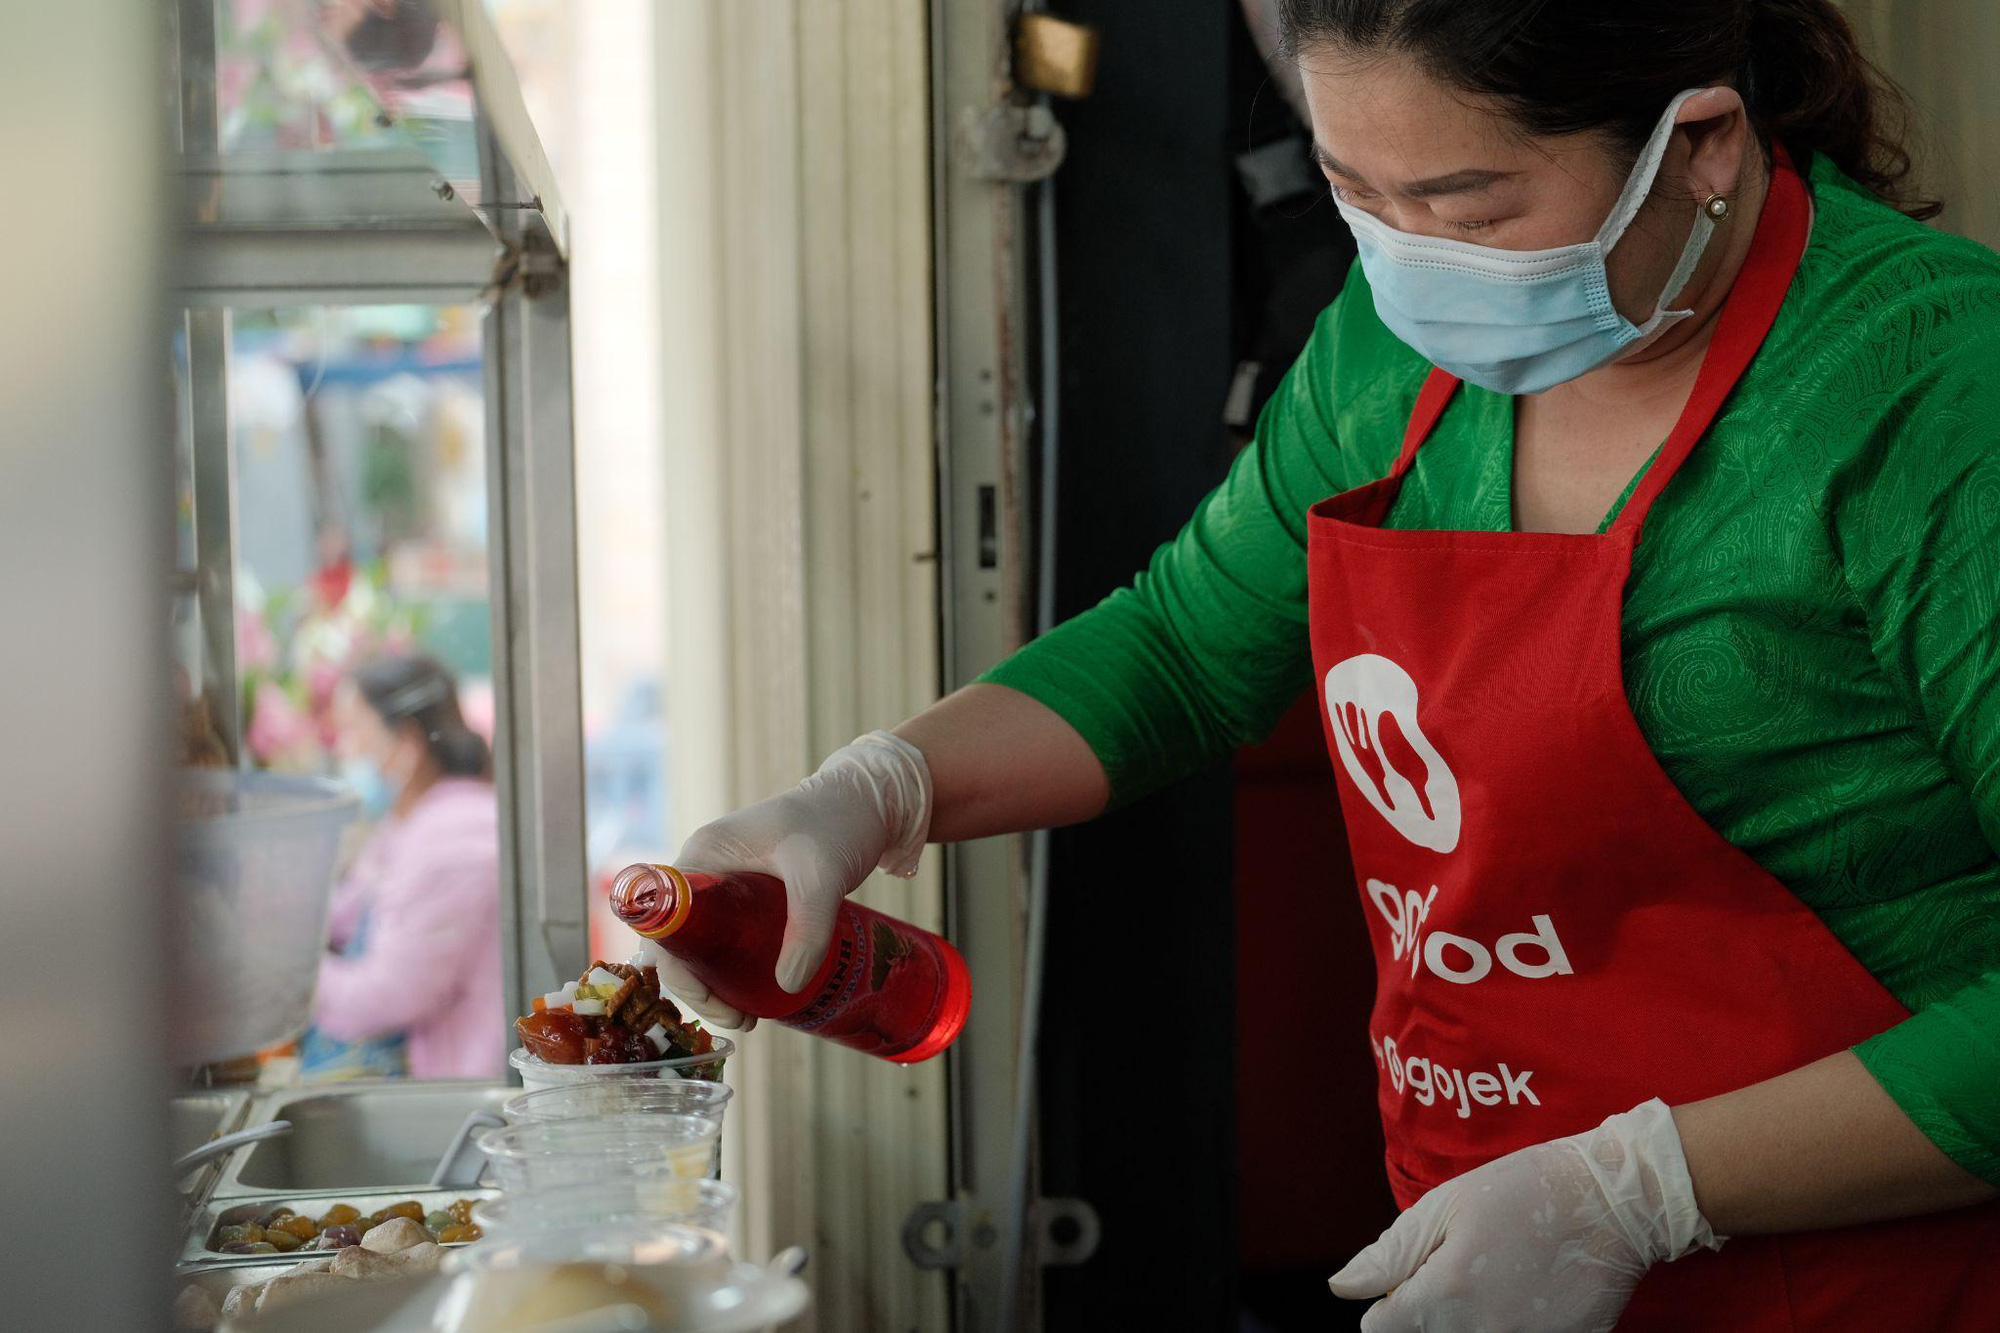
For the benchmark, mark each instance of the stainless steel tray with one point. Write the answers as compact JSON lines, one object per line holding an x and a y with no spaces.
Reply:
{"x":194,"y":1247}
{"x":367,"y":1135}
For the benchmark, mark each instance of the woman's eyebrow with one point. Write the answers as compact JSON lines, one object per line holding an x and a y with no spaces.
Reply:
{"x":1457,"y":182}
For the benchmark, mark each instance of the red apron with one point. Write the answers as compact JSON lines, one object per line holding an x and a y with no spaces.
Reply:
{"x":1558,"y":935}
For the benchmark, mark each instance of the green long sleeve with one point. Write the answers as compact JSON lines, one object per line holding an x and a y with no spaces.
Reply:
{"x":1918,"y":525}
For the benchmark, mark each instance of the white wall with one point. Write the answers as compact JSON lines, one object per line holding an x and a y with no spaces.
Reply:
{"x":1944,"y":52}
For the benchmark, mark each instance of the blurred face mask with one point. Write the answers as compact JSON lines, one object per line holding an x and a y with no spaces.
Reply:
{"x":1521,"y":321}
{"x":365,"y":776}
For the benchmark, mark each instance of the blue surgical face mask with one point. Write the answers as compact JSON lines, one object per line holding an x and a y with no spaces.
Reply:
{"x":1521,"y":321}
{"x":365,"y":776}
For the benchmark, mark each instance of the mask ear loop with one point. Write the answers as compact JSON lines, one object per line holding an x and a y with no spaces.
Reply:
{"x":1645,"y":172}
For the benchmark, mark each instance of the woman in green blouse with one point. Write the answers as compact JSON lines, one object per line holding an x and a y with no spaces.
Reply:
{"x":1809,"y":635}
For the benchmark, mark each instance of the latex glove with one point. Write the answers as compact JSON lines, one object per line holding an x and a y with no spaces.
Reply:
{"x":868,"y":807}
{"x":1552,"y":1237}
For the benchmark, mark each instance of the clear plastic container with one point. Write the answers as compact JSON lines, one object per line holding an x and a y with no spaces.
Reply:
{"x":253,"y":877}
{"x":548,"y":1154}
{"x":651,"y":1275}
{"x":643,"y":1096}
{"x":707,"y":1204}
{"x":537,"y":1074}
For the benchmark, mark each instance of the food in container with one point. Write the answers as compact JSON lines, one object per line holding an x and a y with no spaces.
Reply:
{"x":200,"y":1305}
{"x":679,"y":1276}
{"x":196,"y":1309}
{"x":262,"y":1227}
{"x":614,"y":1014}
{"x":537,"y":1074}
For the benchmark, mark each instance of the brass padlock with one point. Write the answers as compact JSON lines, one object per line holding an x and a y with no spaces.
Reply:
{"x":1053,"y":55}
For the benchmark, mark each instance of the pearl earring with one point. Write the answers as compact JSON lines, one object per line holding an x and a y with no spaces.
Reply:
{"x":1717,"y":208}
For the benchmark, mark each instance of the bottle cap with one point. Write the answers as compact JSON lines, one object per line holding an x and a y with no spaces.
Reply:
{"x":652,"y":899}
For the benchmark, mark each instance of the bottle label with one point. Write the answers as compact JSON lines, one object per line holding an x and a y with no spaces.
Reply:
{"x":885,"y":988}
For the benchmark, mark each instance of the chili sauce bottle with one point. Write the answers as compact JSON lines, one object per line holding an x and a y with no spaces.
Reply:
{"x":886,"y":987}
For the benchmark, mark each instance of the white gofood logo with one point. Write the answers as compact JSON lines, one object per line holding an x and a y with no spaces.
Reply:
{"x":1359,"y":693}
{"x":1459,"y":958}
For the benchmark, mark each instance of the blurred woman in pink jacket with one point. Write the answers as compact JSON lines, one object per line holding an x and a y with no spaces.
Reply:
{"x":412,"y":978}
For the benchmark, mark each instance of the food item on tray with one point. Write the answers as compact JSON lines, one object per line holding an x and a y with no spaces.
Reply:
{"x":298,"y":1228}
{"x":262,"y":1228}
{"x":281,"y":1291}
{"x":194,"y":1308}
{"x":195,"y":1311}
{"x":613,"y":1014}
{"x":396,"y":1233}
{"x":422,"y":1257}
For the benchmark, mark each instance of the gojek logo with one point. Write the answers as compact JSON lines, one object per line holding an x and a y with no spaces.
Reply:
{"x":1373,"y":704}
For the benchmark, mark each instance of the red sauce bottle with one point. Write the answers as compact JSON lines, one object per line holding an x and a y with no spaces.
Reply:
{"x":887,"y":987}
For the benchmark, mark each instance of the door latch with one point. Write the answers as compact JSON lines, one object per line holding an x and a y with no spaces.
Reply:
{"x":942,"y":1234}
{"x":1055,"y":56}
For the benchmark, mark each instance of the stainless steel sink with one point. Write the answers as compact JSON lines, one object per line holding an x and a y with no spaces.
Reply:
{"x":372,"y":1135}
{"x":193,"y":1118}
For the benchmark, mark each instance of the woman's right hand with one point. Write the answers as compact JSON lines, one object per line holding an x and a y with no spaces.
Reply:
{"x":868,"y":806}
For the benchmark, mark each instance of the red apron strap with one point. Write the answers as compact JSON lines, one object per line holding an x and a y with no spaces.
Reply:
{"x":1747,"y":317}
{"x":1431,"y":403}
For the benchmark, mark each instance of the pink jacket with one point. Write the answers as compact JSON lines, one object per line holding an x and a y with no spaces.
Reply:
{"x":430,"y":964}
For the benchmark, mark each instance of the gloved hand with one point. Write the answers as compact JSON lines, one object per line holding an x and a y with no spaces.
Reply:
{"x":1552,"y":1237}
{"x":868,"y":807}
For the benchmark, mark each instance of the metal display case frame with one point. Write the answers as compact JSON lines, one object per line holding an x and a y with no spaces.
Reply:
{"x":435,"y":210}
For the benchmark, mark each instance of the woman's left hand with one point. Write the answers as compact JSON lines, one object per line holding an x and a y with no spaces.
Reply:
{"x":1552,"y":1237}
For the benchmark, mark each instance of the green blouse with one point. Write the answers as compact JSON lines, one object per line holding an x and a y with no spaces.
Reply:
{"x":1811,"y":630}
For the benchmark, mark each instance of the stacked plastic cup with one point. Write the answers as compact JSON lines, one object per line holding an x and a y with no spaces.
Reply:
{"x":536,"y":1155}
{"x":706,"y":1205}
{"x":573,"y":1101}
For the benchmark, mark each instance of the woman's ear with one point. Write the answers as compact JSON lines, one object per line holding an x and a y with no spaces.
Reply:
{"x":1718,"y":128}
{"x":413,"y":752}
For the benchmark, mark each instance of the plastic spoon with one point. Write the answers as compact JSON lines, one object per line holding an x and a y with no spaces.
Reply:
{"x":229,"y":1143}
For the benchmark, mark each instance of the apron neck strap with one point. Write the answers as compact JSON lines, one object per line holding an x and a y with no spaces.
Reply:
{"x":1435,"y":396}
{"x":1747,"y":316}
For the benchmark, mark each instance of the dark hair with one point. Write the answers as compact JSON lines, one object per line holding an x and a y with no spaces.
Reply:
{"x":416,"y":689}
{"x":1566,"y":66}
{"x":397,"y":39}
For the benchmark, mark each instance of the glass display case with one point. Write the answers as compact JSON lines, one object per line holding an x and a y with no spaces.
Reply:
{"x":372,"y":382}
